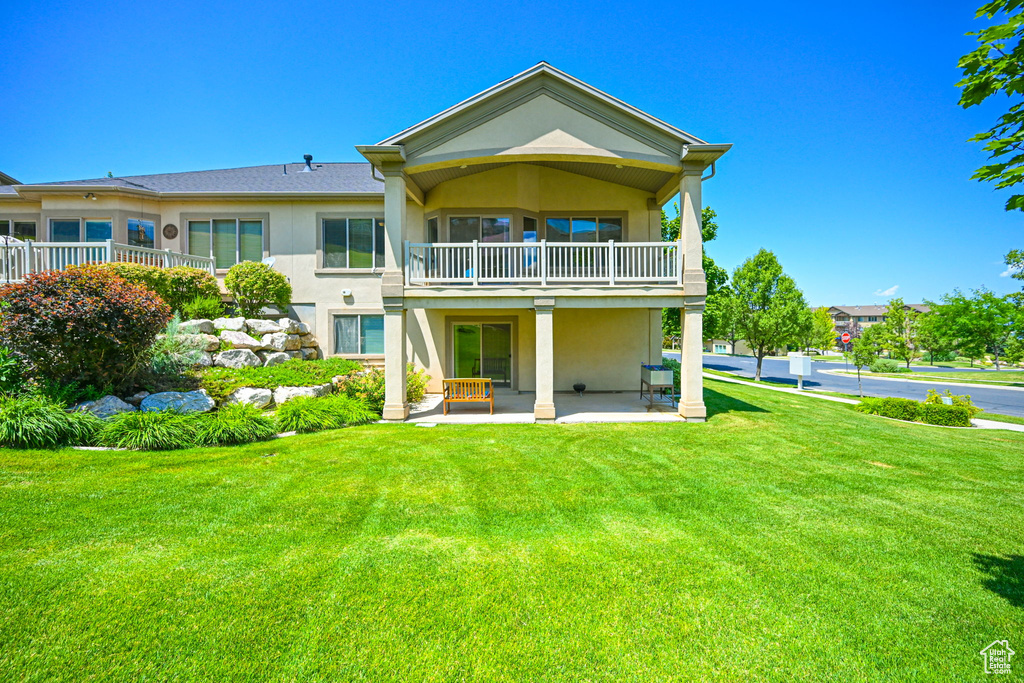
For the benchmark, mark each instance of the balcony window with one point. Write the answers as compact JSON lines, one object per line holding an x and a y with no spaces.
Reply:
{"x":480,"y":228}
{"x":359,"y":334}
{"x":141,"y":232}
{"x":353,"y":242}
{"x":22,"y":230}
{"x":584,"y":229}
{"x":81,"y":229}
{"x":228,"y":240}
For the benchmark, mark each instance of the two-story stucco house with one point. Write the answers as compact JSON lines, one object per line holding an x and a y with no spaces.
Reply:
{"x":515,"y":235}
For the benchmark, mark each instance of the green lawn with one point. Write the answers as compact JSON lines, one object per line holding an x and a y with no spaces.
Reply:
{"x":1010,"y":378}
{"x":787,"y":538}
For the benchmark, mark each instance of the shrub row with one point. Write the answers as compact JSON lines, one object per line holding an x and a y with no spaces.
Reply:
{"x":33,"y":421}
{"x":177,"y":286}
{"x":915,"y":411}
{"x":886,"y":365}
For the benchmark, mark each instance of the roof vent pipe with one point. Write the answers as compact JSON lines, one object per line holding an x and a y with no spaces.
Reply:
{"x":309,"y":166}
{"x":284,"y":169}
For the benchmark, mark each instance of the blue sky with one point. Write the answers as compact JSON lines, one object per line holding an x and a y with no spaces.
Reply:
{"x":850,"y":158}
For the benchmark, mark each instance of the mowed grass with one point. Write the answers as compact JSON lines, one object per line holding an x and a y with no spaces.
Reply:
{"x":1013,"y":378}
{"x":786,"y":539}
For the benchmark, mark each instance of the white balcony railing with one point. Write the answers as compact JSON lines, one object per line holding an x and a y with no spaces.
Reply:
{"x":544,"y":263}
{"x":18,"y":260}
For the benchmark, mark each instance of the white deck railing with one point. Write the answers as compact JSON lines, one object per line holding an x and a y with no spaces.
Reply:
{"x":544,"y":263}
{"x":18,"y":260}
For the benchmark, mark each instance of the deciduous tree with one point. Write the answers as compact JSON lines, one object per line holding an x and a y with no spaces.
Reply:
{"x":768,"y":305}
{"x":899,"y":331}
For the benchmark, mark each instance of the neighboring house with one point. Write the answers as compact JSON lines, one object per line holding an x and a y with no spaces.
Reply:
{"x":515,"y":235}
{"x":866,"y":316}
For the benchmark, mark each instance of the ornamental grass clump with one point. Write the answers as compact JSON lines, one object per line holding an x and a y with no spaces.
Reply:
{"x":235,"y":423}
{"x":150,"y":431}
{"x":309,"y":414}
{"x":34,"y":421}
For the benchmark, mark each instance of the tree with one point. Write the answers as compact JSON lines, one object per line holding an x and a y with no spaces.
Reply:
{"x":981,"y":323}
{"x":899,"y":331}
{"x":995,"y":67}
{"x":863,"y":352}
{"x":932,"y":336}
{"x":715,"y":276}
{"x":768,"y":305}
{"x":824,"y":334}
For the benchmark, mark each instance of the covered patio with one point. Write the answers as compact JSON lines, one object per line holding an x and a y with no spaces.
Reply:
{"x":513,"y":407}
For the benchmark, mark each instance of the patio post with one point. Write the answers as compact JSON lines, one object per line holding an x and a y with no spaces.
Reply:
{"x":396,"y":406}
{"x":544,"y":408}
{"x":691,"y":384}
{"x":689,"y":229}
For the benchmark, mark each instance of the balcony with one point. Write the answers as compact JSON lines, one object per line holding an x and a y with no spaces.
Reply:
{"x":18,"y":259}
{"x":544,"y":264}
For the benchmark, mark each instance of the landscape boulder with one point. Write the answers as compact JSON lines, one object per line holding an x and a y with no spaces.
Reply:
{"x":310,"y":353}
{"x":260,"y":327}
{"x":179,"y":401}
{"x":198,"y":326}
{"x":289,"y":326}
{"x":307,"y":340}
{"x":233,"y":324}
{"x":241,"y":340}
{"x":285,"y":394}
{"x":237,"y":358}
{"x":205,"y":360}
{"x":259,"y":398}
{"x":108,"y":406}
{"x":136,"y":398}
{"x":302,"y":328}
{"x":275,"y":358}
{"x":211,"y":343}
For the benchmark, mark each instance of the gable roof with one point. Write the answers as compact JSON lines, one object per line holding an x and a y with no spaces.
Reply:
{"x":541,"y":69}
{"x":327,"y":178}
{"x":877,"y":310}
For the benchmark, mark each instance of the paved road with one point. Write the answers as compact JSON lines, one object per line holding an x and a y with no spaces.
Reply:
{"x":995,"y":400}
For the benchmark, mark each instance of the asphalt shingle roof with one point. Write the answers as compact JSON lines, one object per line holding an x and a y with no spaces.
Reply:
{"x":327,"y":177}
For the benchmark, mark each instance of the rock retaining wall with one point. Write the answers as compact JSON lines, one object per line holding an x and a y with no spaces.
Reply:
{"x":241,"y":342}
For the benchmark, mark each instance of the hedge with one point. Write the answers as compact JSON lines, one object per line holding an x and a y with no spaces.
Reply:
{"x":915,"y":411}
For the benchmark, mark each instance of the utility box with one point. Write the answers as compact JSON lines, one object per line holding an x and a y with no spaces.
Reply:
{"x":799,"y":364}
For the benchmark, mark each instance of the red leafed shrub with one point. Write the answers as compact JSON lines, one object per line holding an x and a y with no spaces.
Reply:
{"x":84,"y":324}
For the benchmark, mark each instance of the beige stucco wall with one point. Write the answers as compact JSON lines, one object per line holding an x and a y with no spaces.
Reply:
{"x":600,"y":347}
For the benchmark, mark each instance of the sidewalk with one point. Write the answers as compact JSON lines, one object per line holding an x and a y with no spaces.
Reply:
{"x":981,"y":424}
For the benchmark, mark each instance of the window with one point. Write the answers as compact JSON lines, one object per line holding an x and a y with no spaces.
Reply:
{"x":227,"y":240}
{"x":529,"y":229}
{"x":872,"y":318}
{"x":140,"y":233}
{"x":432,"y":230}
{"x":721,"y":348}
{"x":359,"y":334}
{"x":353,"y":242}
{"x":22,"y":230}
{"x":81,"y":229}
{"x":481,"y":228}
{"x":585,"y":229}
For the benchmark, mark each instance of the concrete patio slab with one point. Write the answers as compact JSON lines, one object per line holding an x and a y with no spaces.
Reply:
{"x":511,"y":407}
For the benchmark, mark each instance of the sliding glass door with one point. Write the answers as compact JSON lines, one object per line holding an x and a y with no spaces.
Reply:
{"x":483,"y":350}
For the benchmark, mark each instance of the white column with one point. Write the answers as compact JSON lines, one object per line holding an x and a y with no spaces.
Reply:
{"x":691,"y":383}
{"x":689,"y":231}
{"x":394,"y":219}
{"x":544,"y":408}
{"x":395,"y":405}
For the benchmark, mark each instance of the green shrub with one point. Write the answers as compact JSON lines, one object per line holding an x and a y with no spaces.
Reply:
{"x":308,"y":414}
{"x":964,"y":401}
{"x":234,"y":423}
{"x":34,"y":421}
{"x":203,"y":307}
{"x":149,"y":431}
{"x":369,"y":386}
{"x":255,"y":285}
{"x":83,"y":324}
{"x":885,"y":365}
{"x":220,"y":382}
{"x":896,"y":408}
{"x":676,"y":368}
{"x":174,"y":352}
{"x":949,"y":416}
{"x":176,"y":286}
{"x":12,"y":373}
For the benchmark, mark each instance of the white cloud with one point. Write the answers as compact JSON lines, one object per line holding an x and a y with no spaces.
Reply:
{"x":887,"y":292}
{"x":1008,"y":272}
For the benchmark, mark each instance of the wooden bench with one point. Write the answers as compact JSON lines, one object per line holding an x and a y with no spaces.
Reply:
{"x":468,"y":390}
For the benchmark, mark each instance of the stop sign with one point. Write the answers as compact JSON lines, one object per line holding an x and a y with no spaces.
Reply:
{"x":846,"y":337}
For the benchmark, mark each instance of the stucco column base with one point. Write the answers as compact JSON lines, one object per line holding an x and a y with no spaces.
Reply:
{"x":693,"y":412}
{"x":395,"y":412}
{"x":544,"y":412}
